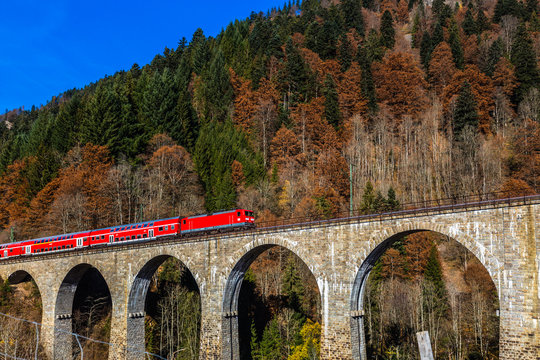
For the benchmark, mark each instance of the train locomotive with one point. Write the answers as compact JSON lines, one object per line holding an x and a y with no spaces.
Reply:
{"x":230,"y":220}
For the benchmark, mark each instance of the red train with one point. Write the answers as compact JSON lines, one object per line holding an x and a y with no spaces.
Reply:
{"x":144,"y":231}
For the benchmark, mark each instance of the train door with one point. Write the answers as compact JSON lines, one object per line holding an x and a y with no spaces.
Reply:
{"x":28,"y":250}
{"x":111,"y":239}
{"x":79,"y":242}
{"x":151,"y":233}
{"x":5,"y":253}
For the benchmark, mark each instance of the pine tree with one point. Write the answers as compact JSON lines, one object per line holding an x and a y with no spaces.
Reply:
{"x":524,"y":59}
{"x":392,"y":203}
{"x":433,"y":273}
{"x":218,"y":91}
{"x":345,"y":54}
{"x":482,"y":22}
{"x":331,"y":103}
{"x":469,"y":25}
{"x":368,"y":199}
{"x":426,"y":48}
{"x":465,"y":113}
{"x":438,"y":35}
{"x":367,"y":86}
{"x":455,"y":45}
{"x":352,"y":15}
{"x":495,"y":53}
{"x":270,"y":345}
{"x":387,"y":30}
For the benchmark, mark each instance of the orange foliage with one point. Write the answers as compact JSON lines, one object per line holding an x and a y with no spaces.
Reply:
{"x":237,"y":174}
{"x":331,"y":170}
{"x":314,"y":132}
{"x":400,"y":84}
{"x":470,"y":50}
{"x":482,"y":89}
{"x":15,"y":192}
{"x":403,"y":11}
{"x":441,"y":67}
{"x":284,"y":146}
{"x":504,"y":77}
{"x":350,"y":98}
{"x":245,"y":102}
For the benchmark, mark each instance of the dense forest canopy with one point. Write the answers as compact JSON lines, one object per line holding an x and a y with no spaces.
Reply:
{"x":281,"y":111}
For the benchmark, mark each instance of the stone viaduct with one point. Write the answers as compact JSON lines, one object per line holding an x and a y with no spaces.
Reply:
{"x":340,"y":253}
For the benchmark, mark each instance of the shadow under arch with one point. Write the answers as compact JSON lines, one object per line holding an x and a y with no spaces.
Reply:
{"x":358,"y":337}
{"x":137,"y":302}
{"x":230,"y":339}
{"x":27,"y":306}
{"x":64,"y":307}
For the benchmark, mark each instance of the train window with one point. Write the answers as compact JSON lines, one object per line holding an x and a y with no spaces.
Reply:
{"x":139,"y":226}
{"x":139,"y":236}
{"x":166,"y":228}
{"x":172,"y":227}
{"x":132,"y":237}
{"x":144,"y":235}
{"x":238,"y":213}
{"x":63,"y":247}
{"x":10,"y":250}
{"x":184,"y":222}
{"x":160,"y":228}
{"x":122,"y":238}
{"x":145,"y":225}
{"x":102,"y":237}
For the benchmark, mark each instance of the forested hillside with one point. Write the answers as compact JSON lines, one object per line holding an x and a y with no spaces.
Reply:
{"x":284,"y":113}
{"x":431,"y":100}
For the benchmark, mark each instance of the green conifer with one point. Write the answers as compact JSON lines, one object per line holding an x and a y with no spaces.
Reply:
{"x":465,"y":113}
{"x":524,"y":59}
{"x":331,"y":102}
{"x":387,"y":30}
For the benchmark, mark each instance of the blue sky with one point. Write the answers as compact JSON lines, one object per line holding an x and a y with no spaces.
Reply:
{"x":47,"y":47}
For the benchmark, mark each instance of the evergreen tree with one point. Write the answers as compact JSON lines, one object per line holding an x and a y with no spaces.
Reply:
{"x":465,"y":113}
{"x":352,"y":15}
{"x":392,"y":203}
{"x":373,"y":46}
{"x":270,"y":345}
{"x":254,"y":343}
{"x":455,"y":45}
{"x":482,"y":22}
{"x":367,"y":86}
{"x":495,"y":53}
{"x":292,"y":286}
{"x":437,"y":36}
{"x":218,"y":91}
{"x":331,"y":102}
{"x":433,"y":273}
{"x":469,"y":25}
{"x":524,"y":59}
{"x":345,"y":54}
{"x":387,"y":30}
{"x":296,"y":74}
{"x":368,"y":199}
{"x":425,"y":50}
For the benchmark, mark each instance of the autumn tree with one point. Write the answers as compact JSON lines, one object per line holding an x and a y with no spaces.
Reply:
{"x":400,"y":84}
{"x":441,"y":67}
{"x":482,"y":89}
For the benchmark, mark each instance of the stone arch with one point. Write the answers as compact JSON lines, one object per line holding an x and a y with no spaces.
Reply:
{"x":137,"y":301}
{"x":230,"y":342}
{"x":378,"y":244}
{"x":63,"y":319}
